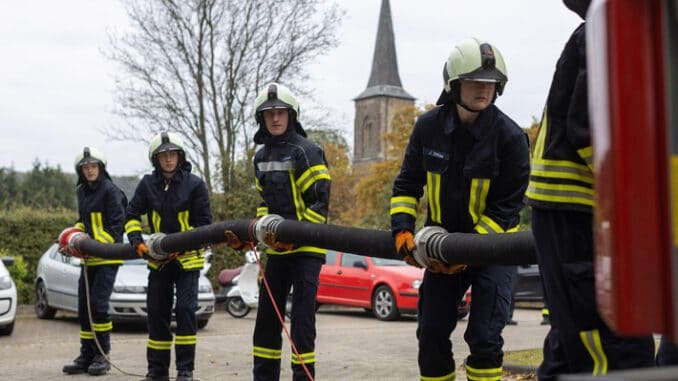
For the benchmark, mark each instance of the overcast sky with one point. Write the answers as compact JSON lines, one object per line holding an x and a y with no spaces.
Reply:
{"x":56,"y":88}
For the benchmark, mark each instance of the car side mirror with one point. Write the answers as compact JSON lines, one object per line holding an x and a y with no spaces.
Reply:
{"x":8,"y":261}
{"x":360,"y":264}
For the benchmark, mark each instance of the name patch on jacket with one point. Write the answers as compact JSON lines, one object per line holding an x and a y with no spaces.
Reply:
{"x":436,"y":154}
{"x":270,"y":166}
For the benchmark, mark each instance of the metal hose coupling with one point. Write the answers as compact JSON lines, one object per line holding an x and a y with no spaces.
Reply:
{"x":154,"y":249}
{"x":266,"y":227}
{"x":427,"y":244}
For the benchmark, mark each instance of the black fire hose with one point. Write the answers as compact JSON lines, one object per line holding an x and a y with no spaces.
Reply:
{"x":432,"y":242}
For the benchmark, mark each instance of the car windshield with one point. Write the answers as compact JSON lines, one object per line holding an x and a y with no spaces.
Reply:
{"x":388,"y":262}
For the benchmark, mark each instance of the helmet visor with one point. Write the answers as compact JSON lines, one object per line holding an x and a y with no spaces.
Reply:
{"x":273,"y":104}
{"x":484,"y":75}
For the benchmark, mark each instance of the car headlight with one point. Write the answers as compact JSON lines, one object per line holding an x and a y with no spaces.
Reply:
{"x":5,"y":282}
{"x":129,"y":289}
{"x":416,"y":284}
{"x":204,"y":289}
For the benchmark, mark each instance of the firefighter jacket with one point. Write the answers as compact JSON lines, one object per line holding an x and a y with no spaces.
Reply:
{"x":562,"y":171}
{"x":475,"y":176}
{"x":101,"y":212}
{"x":175,"y":205}
{"x":293,"y":180}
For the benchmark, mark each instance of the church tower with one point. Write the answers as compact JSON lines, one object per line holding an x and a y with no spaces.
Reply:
{"x":383,"y":97}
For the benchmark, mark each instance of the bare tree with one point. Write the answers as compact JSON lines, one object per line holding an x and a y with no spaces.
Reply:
{"x":194,"y":67}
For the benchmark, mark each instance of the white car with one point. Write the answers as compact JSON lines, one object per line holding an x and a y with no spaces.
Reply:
{"x":8,"y":299}
{"x":56,"y":288}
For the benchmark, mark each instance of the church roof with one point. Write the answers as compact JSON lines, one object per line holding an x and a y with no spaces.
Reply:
{"x":384,"y":78}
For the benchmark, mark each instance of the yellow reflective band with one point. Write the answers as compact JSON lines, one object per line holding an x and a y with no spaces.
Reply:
{"x":262,"y":211}
{"x":159,"y":345}
{"x":541,"y":136}
{"x":567,"y":193}
{"x":488,"y":374}
{"x":302,"y":249}
{"x":155,"y":220}
{"x":183,"y":220}
{"x":311,"y":175}
{"x":191,"y":261}
{"x":487,"y":225}
{"x":545,"y":312}
{"x":257,"y":184}
{"x":306,"y":358}
{"x":591,"y":340}
{"x":103,"y":327}
{"x":96,"y":261}
{"x":404,"y":204}
{"x":433,"y":194}
{"x":185,"y":340}
{"x":296,"y":196}
{"x":86,"y":335}
{"x":561,"y":169}
{"x":448,"y":377}
{"x":477,"y":197}
{"x":267,"y":353}
{"x":98,"y":228}
{"x":80,"y":226}
{"x":313,"y":216}
{"x":133,"y":225}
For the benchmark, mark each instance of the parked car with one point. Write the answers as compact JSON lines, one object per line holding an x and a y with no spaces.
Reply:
{"x":56,"y":288}
{"x":527,"y":286}
{"x":386,"y":287}
{"x":8,"y":298}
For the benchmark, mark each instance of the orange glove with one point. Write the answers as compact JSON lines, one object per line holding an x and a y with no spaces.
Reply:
{"x":233,"y":241}
{"x":270,"y":240}
{"x":404,"y":243}
{"x":443,"y":268}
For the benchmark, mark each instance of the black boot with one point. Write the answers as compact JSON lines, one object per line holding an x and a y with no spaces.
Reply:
{"x":185,"y":375}
{"x":98,"y":366}
{"x":79,"y":365}
{"x":150,"y":377}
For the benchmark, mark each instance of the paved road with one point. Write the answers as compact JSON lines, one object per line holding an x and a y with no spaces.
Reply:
{"x":351,"y":345}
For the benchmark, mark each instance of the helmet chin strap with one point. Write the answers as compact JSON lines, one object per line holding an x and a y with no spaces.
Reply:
{"x":465,"y":107}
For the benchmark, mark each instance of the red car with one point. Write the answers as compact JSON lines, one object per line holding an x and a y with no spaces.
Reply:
{"x":386,"y":287}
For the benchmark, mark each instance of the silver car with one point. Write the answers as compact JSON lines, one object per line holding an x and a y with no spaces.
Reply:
{"x":56,"y":288}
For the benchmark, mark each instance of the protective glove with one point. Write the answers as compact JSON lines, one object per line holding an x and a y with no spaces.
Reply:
{"x":136,"y":240}
{"x":234,"y":242}
{"x":404,"y":244}
{"x":439,"y":267}
{"x":271,"y":242}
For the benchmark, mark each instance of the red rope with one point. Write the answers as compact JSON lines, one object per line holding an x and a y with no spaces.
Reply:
{"x":280,"y":317}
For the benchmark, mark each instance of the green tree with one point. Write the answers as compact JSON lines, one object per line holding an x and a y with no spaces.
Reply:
{"x":9,"y":189}
{"x":45,"y":187}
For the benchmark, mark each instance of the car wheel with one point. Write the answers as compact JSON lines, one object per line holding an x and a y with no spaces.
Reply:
{"x":384,"y":304}
{"x":7,"y":330}
{"x":42,"y":308}
{"x":203,"y":323}
{"x":236,"y":307}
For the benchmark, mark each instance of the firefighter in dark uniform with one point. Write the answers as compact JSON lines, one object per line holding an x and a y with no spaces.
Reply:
{"x":294,"y":182}
{"x":101,"y":210}
{"x":561,"y":195}
{"x":474,"y":162}
{"x":174,"y":200}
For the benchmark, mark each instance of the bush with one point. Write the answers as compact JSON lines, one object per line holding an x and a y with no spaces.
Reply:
{"x":18,"y":271}
{"x":28,"y":233}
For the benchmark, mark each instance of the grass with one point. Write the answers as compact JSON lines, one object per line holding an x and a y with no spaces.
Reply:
{"x":529,"y":357}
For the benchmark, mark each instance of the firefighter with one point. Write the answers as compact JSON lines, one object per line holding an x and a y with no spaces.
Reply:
{"x":174,"y":200}
{"x":294,"y":182}
{"x":101,"y":211}
{"x":561,"y":195}
{"x":474,"y":162}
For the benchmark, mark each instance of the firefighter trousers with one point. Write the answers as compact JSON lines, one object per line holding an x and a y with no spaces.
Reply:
{"x":579,"y":341}
{"x":439,"y":297}
{"x":282,"y":272}
{"x":101,"y":280}
{"x":161,"y":285}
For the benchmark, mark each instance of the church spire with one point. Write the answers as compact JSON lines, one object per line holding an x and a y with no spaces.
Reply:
{"x":384,"y":78}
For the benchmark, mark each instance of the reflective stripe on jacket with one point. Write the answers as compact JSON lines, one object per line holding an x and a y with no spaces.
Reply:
{"x":475,"y":176}
{"x":101,"y":211}
{"x":172,"y":206}
{"x":294,"y":182}
{"x":562,"y":160}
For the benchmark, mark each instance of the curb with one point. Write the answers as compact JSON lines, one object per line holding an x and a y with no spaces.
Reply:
{"x":520,"y":369}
